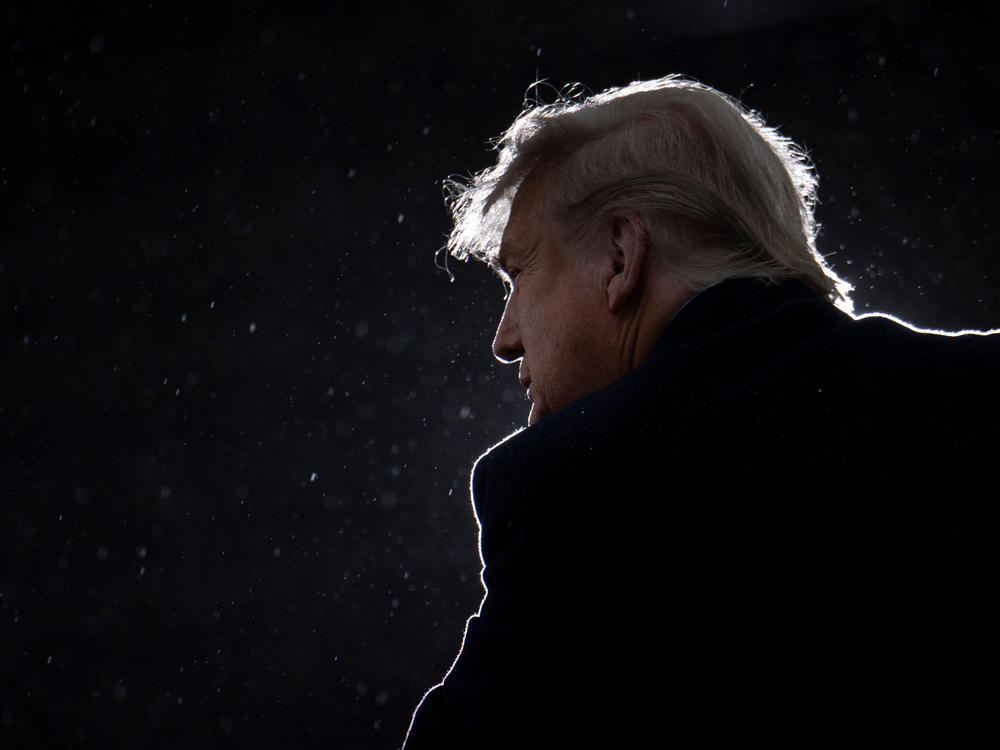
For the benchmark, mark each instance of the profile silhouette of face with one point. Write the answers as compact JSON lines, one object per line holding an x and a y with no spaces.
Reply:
{"x":556,"y":323}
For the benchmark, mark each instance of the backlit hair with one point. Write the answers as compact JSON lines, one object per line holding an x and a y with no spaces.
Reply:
{"x":721,"y":194}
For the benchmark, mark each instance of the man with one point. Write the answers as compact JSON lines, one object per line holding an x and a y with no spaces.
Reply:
{"x":737,"y":510}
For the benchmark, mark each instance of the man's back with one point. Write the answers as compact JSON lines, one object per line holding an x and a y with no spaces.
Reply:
{"x":777,"y":519}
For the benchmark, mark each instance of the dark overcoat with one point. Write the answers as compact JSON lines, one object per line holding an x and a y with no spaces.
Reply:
{"x":781,"y":526}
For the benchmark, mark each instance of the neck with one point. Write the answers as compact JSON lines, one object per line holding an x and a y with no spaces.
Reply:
{"x":660,"y":299}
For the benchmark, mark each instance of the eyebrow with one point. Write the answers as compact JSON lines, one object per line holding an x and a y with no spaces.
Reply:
{"x":508,"y":249}
{"x":503,"y":255}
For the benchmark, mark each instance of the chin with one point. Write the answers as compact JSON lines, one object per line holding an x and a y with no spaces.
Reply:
{"x":537,"y":414}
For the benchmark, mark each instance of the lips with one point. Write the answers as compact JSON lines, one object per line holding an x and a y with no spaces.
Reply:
{"x":526,"y":384}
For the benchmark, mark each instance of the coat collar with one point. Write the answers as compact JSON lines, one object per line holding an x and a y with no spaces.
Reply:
{"x":729,"y":303}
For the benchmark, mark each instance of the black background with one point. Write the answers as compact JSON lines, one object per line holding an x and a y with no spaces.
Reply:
{"x":240,"y":401}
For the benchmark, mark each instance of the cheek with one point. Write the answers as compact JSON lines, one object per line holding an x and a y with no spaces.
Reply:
{"x":588,"y":353}
{"x":569,"y":359}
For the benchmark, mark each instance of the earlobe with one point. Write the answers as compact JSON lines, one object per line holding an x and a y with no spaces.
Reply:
{"x":628,"y":261}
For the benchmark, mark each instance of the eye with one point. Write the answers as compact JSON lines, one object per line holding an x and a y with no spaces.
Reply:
{"x":513,"y":273}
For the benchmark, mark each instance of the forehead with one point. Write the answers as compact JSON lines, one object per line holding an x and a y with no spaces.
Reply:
{"x":526,"y":222}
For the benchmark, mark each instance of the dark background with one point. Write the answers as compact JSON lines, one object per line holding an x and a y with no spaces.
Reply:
{"x":240,"y":402}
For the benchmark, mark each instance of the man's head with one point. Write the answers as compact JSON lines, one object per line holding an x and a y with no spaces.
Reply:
{"x":576,"y":318}
{"x":604,"y":214}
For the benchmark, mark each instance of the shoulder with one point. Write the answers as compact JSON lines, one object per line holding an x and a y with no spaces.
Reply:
{"x":746,"y":369}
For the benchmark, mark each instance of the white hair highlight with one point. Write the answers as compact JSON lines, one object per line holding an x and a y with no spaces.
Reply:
{"x":721,"y":194}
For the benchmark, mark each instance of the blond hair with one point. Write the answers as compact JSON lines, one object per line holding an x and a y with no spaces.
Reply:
{"x":721,"y":194}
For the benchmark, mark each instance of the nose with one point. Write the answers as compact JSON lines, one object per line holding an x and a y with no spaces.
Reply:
{"x":507,"y":345}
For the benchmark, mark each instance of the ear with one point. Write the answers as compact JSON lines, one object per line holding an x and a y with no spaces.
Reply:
{"x":628,"y":260}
